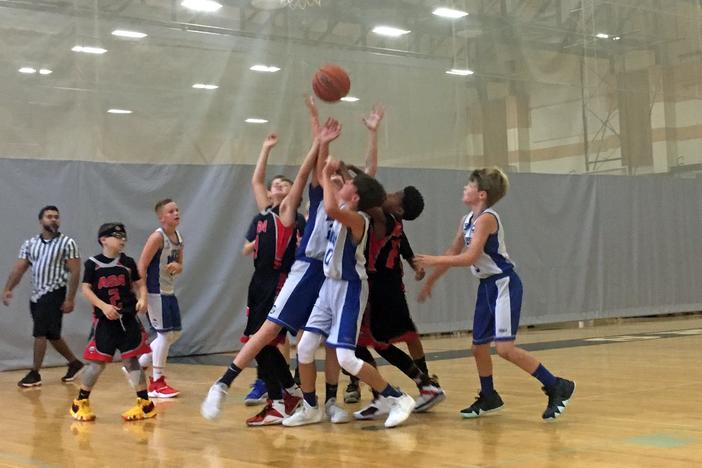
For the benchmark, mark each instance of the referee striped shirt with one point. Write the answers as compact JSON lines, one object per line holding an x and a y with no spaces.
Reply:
{"x":48,"y":260}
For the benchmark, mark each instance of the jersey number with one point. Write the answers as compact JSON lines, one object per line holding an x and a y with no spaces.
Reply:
{"x":114,"y":296}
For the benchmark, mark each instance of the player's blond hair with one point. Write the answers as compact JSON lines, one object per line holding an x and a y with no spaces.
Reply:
{"x":492,"y":181}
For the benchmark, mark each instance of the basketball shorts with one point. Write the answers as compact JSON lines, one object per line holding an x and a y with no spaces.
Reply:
{"x":164,"y":312}
{"x":47,"y":315}
{"x":390,"y":320}
{"x":497,"y":308}
{"x":296,"y":299}
{"x":337,"y":312}
{"x":263,"y":289}
{"x":125,"y":335}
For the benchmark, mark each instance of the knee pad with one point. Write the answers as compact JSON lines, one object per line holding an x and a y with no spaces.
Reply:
{"x":91,"y":373}
{"x":348,"y":360}
{"x":307,"y":347}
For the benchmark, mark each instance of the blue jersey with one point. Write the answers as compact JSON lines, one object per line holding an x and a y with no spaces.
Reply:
{"x":493,"y":260}
{"x":158,"y":279}
{"x":314,"y":241}
{"x":344,"y":259}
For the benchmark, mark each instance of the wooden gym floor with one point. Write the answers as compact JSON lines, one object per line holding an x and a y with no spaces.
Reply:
{"x":638,"y":404}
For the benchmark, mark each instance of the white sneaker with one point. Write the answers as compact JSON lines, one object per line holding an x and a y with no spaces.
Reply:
{"x":400,"y":409}
{"x":376,"y":408}
{"x":429,"y":396}
{"x":303,"y":415}
{"x":212,"y":405}
{"x":335,"y":413}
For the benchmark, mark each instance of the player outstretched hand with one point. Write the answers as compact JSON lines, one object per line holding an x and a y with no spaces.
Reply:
{"x":330,"y":131}
{"x":425,"y":293}
{"x":419,"y":271}
{"x":372,"y":120}
{"x":270,"y":141}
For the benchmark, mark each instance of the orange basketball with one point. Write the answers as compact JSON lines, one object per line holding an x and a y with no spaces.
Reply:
{"x":331,"y":83}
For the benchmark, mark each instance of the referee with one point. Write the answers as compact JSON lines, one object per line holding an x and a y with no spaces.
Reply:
{"x":53,"y":258}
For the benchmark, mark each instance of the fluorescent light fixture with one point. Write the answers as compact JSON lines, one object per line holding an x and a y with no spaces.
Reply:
{"x":205,"y":86}
{"x":119,"y":111}
{"x":255,"y":120}
{"x":129,"y":34}
{"x":390,"y":31}
{"x":449,"y":13}
{"x":208,"y":6}
{"x":349,"y":99}
{"x":459,"y":72}
{"x":602,"y":35}
{"x":265,"y":68}
{"x":616,"y":38}
{"x":27,"y":70}
{"x":89,"y":50}
{"x":45,"y":71}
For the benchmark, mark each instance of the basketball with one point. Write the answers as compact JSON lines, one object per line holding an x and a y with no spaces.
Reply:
{"x":331,"y":83}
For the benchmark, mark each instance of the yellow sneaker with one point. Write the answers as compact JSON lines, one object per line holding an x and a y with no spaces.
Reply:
{"x":144,"y":409}
{"x":80,"y":410}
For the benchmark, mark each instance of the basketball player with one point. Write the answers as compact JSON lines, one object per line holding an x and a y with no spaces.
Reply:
{"x":109,"y":282}
{"x":160,"y":262}
{"x":342,"y":298}
{"x":479,"y":243}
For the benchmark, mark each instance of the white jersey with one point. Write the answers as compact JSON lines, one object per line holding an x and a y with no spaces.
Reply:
{"x":158,"y":279}
{"x":493,"y":260}
{"x":344,"y":259}
{"x":314,"y":238}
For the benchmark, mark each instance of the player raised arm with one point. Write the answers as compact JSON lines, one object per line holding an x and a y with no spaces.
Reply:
{"x":258,"y":183}
{"x":372,"y":122}
{"x":349,"y":218}
{"x":324,"y":151}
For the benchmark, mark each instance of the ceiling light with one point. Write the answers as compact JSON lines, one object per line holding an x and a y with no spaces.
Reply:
{"x":255,"y":120}
{"x":449,"y":13}
{"x":616,"y":38}
{"x":205,"y":86}
{"x":265,"y":68}
{"x":45,"y":71}
{"x":208,"y":6}
{"x":602,"y":35}
{"x":459,"y":72}
{"x":349,"y":99}
{"x":89,"y":50}
{"x":129,"y":34}
{"x":390,"y":31}
{"x":119,"y":111}
{"x":27,"y":70}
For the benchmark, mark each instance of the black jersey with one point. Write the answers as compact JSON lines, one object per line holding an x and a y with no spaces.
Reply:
{"x":275,"y":244}
{"x":384,"y":254}
{"x":111,"y":280}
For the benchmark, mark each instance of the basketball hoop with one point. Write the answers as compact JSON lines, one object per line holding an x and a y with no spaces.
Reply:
{"x":301,"y":4}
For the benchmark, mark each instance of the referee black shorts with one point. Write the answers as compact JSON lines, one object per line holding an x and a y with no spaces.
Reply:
{"x":47,"y":314}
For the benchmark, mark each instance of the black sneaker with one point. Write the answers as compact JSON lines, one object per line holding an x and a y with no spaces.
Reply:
{"x":558,"y":398}
{"x":74,"y":368}
{"x":352,"y":394}
{"x":32,"y":379}
{"x":485,"y":403}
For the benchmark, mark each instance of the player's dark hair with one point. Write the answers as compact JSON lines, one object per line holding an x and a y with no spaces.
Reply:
{"x":370,"y":192}
{"x":412,"y":203}
{"x":161,"y":203}
{"x":280,"y":177}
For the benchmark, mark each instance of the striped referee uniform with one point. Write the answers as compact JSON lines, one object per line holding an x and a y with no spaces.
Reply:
{"x":48,"y":259}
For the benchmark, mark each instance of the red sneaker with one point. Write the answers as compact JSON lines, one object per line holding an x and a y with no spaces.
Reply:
{"x":271,"y":414}
{"x":291,"y":402}
{"x":160,"y":389}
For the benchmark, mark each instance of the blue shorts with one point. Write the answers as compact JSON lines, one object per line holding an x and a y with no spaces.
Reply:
{"x":164,"y":313}
{"x":497,"y":308}
{"x":296,"y":299}
{"x":338,"y":311}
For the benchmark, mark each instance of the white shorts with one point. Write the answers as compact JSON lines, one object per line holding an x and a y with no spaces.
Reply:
{"x":338,"y":311}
